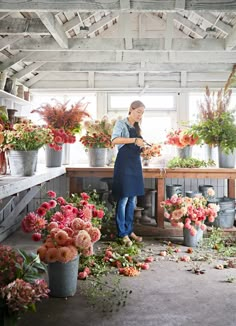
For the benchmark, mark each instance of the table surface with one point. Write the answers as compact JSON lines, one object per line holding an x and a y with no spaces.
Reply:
{"x":10,"y":185}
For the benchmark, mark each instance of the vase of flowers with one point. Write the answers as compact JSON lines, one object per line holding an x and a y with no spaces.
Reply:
{"x":184,"y":140}
{"x":64,"y":123}
{"x":21,"y":286}
{"x":148,"y":152}
{"x":97,"y":140}
{"x":66,"y":232}
{"x":22,"y":141}
{"x":189,"y":213}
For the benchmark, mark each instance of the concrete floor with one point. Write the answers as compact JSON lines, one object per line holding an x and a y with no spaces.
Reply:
{"x":165,"y":295}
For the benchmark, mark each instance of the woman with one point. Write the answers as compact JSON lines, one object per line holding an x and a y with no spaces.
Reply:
{"x":128,"y":177}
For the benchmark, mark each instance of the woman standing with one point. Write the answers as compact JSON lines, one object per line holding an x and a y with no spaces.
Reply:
{"x":128,"y":177}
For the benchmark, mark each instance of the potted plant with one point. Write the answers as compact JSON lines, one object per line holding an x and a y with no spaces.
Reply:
{"x":189,"y":214}
{"x":21,"y":286}
{"x":22,"y":141}
{"x":216,"y":124}
{"x":66,"y":230}
{"x":98,"y":139}
{"x":64,"y":122}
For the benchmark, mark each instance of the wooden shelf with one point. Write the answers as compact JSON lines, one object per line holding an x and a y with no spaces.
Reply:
{"x":13,"y":98}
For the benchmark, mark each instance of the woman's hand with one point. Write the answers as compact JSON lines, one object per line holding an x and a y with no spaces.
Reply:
{"x":139,"y":142}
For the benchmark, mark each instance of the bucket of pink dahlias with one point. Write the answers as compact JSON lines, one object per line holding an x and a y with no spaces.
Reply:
{"x":190,"y":214}
{"x":66,"y":232}
{"x":183,"y":140}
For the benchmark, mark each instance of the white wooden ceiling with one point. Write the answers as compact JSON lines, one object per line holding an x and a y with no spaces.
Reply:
{"x":112,"y":45}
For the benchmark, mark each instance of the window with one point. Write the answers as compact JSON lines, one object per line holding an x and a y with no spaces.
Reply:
{"x":160,"y":113}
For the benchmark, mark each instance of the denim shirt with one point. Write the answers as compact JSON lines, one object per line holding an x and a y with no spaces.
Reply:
{"x":121,"y":130}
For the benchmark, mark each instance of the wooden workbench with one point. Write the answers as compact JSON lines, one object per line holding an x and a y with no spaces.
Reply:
{"x":77,"y":173}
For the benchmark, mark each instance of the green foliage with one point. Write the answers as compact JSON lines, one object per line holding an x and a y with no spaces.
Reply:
{"x":189,"y":162}
{"x":31,"y":267}
{"x":221,"y":130}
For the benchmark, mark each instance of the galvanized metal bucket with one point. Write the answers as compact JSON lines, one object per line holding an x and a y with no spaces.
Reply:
{"x":63,"y":278}
{"x":173,"y":189}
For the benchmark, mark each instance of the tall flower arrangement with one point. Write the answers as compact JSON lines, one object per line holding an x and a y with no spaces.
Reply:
{"x":216,"y":122}
{"x":189,"y":213}
{"x":64,"y":121}
{"x":65,"y":229}
{"x":98,"y":133}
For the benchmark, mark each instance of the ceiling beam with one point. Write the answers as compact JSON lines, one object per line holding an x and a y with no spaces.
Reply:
{"x":22,"y":26}
{"x":133,"y":56}
{"x":119,"y":44}
{"x":56,"y":30}
{"x":122,"y":5}
{"x":28,"y":69}
{"x":210,"y":18}
{"x":35,"y":79}
{"x":133,"y":67}
{"x":169,"y":31}
{"x":230,"y":41}
{"x":14,"y":59}
{"x":4,"y":15}
{"x":8,"y":40}
{"x":191,"y":26}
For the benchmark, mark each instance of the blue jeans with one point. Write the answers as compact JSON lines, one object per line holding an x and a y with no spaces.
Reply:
{"x":125,"y":215}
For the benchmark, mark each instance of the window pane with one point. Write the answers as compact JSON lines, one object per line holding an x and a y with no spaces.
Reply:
{"x":150,"y":101}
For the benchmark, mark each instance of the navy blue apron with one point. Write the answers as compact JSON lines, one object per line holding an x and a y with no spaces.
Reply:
{"x":128,"y":175}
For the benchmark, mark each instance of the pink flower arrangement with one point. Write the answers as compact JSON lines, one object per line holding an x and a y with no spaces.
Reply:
{"x":151,"y":151}
{"x":181,"y":138}
{"x":65,"y":229}
{"x":189,"y":213}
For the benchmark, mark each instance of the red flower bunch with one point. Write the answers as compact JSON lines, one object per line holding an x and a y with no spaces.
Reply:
{"x":181,"y":138}
{"x":63,"y":121}
{"x":190,"y":213}
{"x":64,"y":228}
{"x":151,"y":151}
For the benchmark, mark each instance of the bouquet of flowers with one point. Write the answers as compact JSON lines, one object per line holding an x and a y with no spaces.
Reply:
{"x":64,"y":228}
{"x":190,"y":213}
{"x":181,"y":138}
{"x":63,"y":121}
{"x":20,"y":283}
{"x":151,"y":151}
{"x":98,"y":133}
{"x":26,"y":136}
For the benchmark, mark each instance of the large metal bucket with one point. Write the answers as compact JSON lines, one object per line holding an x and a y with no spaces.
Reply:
{"x":226,"y":214}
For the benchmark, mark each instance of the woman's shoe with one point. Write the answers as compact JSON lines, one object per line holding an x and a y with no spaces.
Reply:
{"x":135,"y":237}
{"x":126,"y":240}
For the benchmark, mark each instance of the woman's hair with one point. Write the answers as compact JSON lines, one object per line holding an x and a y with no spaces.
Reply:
{"x":135,"y":105}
